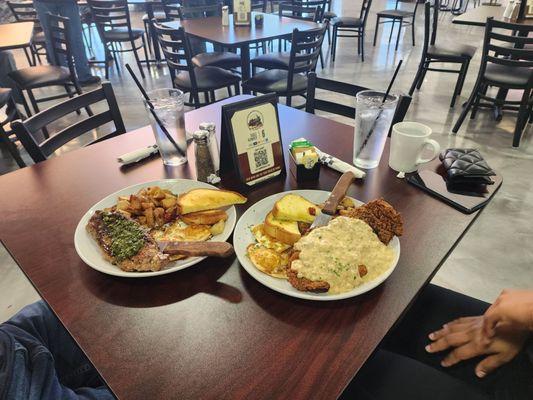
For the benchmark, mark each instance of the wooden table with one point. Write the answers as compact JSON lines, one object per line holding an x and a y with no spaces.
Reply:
{"x":15,"y":35}
{"x":478,"y":16}
{"x":212,"y":331}
{"x":211,"y":30}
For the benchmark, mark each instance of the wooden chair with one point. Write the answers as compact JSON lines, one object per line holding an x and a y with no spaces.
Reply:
{"x":404,"y":17}
{"x":351,"y":27}
{"x":448,"y":53}
{"x":41,"y":76}
{"x":7,"y":135}
{"x":305,"y":49}
{"x":26,"y":130}
{"x":23,"y":11}
{"x":507,"y":64}
{"x":347,"y":89}
{"x":188,"y":77}
{"x":112,"y":19}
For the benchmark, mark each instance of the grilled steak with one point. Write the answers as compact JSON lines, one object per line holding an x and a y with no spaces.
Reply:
{"x":304,"y":284}
{"x":125,"y":243}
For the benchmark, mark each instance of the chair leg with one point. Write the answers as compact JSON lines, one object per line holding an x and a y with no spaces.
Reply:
{"x":71,"y":95}
{"x":418,"y":75}
{"x":33,"y":101}
{"x":12,"y":148}
{"x":25,"y":103}
{"x":30,"y":62}
{"x":466,"y":65}
{"x":79,"y":92}
{"x":321,"y":58}
{"x":334,"y":45}
{"x":392,"y":29}
{"x":413,"y":31}
{"x":288,"y":101}
{"x":458,"y":84}
{"x":423,"y":76}
{"x":147,"y":33}
{"x":398,"y":37}
{"x":467,"y":106}
{"x":362,"y":34}
{"x":146,"y":53}
{"x":358,"y":45}
{"x":229,"y":92}
{"x":477,"y":100}
{"x":522,"y":118}
{"x":237,"y":89}
{"x":139,"y":65}
{"x":376,"y":31}
{"x":212,"y":96}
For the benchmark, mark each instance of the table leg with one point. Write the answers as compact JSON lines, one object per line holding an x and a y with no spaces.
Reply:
{"x":153,"y":33}
{"x":245,"y":65}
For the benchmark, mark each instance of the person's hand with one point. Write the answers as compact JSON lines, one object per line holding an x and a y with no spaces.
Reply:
{"x":466,"y":340}
{"x":512,"y":308}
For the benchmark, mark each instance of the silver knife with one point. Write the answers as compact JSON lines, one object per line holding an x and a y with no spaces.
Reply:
{"x":337,"y":194}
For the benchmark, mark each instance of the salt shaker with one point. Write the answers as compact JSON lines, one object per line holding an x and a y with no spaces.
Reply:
{"x":225,"y":16}
{"x":213,"y":144}
{"x":509,"y":9}
{"x":204,"y":162}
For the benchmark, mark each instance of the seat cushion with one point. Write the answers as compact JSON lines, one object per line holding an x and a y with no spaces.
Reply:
{"x":38,"y":37}
{"x":275,"y":80}
{"x":41,"y":75}
{"x":207,"y":78}
{"x":122,"y":34}
{"x":508,"y":76}
{"x":348,"y":22}
{"x":158,"y":15}
{"x":274,"y":60}
{"x":329,"y":15}
{"x":222,"y":59}
{"x":395,"y":14}
{"x":451,"y":51}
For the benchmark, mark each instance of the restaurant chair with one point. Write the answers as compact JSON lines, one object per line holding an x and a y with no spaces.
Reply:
{"x":186,"y":75}
{"x":112,"y":19}
{"x":505,"y":64}
{"x":351,"y":27}
{"x":7,"y":136}
{"x":41,"y":76}
{"x":221,"y":59}
{"x":405,"y":18}
{"x":340,"y":108}
{"x":327,"y":16}
{"x":170,"y":8}
{"x":259,"y":6}
{"x":305,"y":49}
{"x":444,"y":53}
{"x":23,"y":11}
{"x":159,"y":16}
{"x":280,"y":59}
{"x":26,"y":130}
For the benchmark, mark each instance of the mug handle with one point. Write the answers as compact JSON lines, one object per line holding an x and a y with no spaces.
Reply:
{"x":436,"y":148}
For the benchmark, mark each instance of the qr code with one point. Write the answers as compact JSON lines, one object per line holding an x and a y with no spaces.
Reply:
{"x":261,"y":158}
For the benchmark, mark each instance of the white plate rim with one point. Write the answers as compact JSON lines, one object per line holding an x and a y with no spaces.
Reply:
{"x":116,"y":271}
{"x":286,"y":288}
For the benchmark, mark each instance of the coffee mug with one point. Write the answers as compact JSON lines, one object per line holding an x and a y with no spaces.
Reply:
{"x":408,"y":140}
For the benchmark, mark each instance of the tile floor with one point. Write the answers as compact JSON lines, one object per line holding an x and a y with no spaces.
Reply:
{"x":496,"y":253}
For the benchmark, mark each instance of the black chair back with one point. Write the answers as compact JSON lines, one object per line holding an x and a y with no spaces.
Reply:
{"x":513,"y":52}
{"x":313,"y":104}
{"x":26,"y":130}
{"x":170,"y":7}
{"x":110,"y":14}
{"x":407,"y":1}
{"x":59,"y":28}
{"x":23,"y":11}
{"x":300,"y":12}
{"x":259,"y":5}
{"x":177,"y":50}
{"x":435,"y":21}
{"x":195,"y":12}
{"x":305,"y":50}
{"x":365,"y":10}
{"x":316,"y":4}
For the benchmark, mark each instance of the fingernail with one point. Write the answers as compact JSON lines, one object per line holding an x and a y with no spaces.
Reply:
{"x":444,"y":363}
{"x":481,"y":374}
{"x":428,"y":348}
{"x":432,"y":336}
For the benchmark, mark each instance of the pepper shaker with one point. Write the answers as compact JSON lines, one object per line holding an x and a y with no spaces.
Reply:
{"x":225,"y":16}
{"x":213,"y":143}
{"x":205,"y":169}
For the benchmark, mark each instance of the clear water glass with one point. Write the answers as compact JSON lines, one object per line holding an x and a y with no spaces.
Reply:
{"x":373,"y":119}
{"x":166,"y":108}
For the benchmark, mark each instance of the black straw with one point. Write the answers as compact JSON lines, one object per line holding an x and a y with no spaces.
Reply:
{"x":154,"y":114}
{"x":365,"y":142}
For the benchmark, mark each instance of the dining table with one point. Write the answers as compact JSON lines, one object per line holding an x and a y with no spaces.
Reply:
{"x":15,"y":35}
{"x":478,"y":16}
{"x":241,"y":37}
{"x":211,"y":331}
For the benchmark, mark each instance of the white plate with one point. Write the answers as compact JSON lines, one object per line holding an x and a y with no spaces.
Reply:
{"x":90,"y":252}
{"x":256,"y":214}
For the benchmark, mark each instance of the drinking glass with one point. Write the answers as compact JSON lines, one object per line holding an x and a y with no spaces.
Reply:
{"x":373,"y":119}
{"x":165,"y":109}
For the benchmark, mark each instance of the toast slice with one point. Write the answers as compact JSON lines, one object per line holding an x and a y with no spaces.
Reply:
{"x":208,"y":199}
{"x":284,"y":231}
{"x":209,"y":217}
{"x":293,"y":207}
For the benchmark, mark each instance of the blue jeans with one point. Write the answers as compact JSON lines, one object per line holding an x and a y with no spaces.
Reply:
{"x":45,"y":362}
{"x":77,"y":47}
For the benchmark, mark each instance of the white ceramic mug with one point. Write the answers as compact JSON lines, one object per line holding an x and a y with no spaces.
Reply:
{"x":408,"y":140}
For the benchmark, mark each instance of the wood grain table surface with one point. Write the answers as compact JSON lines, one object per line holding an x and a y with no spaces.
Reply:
{"x":15,"y":35}
{"x":211,"y":331}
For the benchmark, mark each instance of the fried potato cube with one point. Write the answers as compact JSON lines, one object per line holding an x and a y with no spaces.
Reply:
{"x":142,"y":220}
{"x":123,"y":205}
{"x":135,"y":202}
{"x":170,"y":214}
{"x":218,"y":228}
{"x":159,"y":214}
{"x":147,"y":205}
{"x":125,"y":213}
{"x":149,"y":214}
{"x":168,"y":202}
